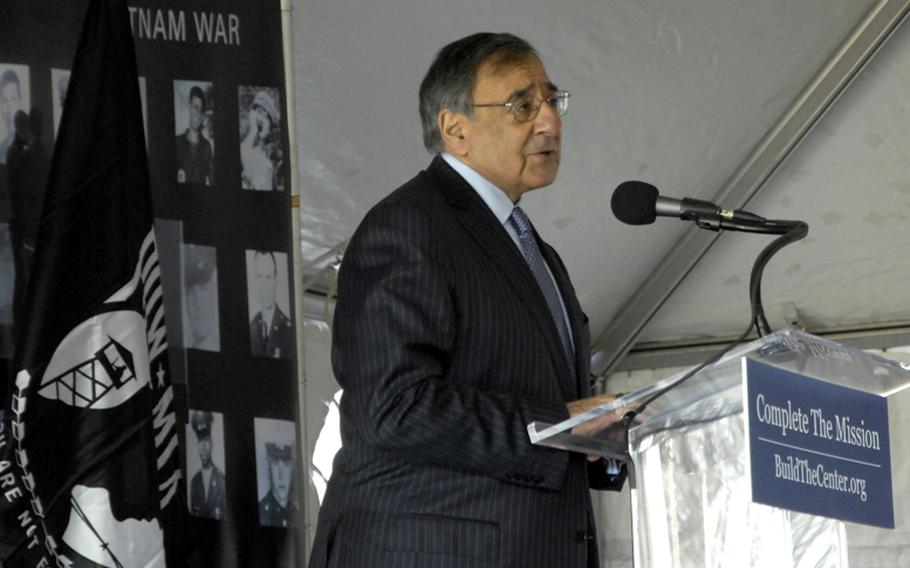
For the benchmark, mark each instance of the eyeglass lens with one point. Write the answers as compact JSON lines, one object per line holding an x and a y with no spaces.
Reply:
{"x":527,"y":108}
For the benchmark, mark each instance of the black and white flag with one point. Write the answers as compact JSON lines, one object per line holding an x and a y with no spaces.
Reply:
{"x":90,"y":461}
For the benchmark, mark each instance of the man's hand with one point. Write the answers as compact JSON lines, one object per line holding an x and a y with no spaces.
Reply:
{"x":577,"y":407}
{"x":583,"y":405}
{"x":591,"y":427}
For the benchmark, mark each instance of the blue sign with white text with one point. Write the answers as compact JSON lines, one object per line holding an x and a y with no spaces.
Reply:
{"x":818,"y":448}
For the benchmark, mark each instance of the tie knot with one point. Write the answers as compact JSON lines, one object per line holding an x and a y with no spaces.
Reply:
{"x":520,"y":221}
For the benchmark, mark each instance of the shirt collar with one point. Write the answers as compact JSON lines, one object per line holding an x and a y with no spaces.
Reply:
{"x":495,"y":198}
{"x":267,"y":315}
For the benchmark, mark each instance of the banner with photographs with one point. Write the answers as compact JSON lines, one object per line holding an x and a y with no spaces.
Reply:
{"x":212,"y":94}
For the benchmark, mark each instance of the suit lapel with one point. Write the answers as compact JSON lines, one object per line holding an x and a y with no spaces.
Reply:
{"x":494,"y":241}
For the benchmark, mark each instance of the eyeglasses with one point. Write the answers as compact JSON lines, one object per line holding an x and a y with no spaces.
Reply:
{"x":526,"y":108}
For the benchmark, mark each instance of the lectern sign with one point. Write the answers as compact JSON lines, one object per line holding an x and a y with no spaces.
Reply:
{"x":816,"y":447}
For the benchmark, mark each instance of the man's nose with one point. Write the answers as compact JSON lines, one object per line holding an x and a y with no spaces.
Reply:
{"x":548,"y":120}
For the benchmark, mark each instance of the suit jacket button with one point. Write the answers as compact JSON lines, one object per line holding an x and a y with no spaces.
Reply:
{"x":582,"y":537}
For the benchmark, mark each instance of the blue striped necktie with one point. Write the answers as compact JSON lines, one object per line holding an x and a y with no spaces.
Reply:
{"x":538,"y":266}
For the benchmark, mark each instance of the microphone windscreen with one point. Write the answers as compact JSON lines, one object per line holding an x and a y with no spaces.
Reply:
{"x":634,"y":202}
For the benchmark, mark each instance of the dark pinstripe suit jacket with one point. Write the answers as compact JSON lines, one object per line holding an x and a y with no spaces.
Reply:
{"x":446,"y":351}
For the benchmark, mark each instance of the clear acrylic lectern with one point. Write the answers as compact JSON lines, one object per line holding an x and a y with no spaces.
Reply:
{"x":691,"y":499}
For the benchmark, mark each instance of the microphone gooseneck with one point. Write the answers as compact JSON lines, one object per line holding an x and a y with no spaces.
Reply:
{"x":797,"y":230}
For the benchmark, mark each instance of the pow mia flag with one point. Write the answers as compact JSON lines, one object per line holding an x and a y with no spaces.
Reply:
{"x":90,"y":472}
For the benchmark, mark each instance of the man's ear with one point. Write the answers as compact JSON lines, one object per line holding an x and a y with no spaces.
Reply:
{"x":452,"y":126}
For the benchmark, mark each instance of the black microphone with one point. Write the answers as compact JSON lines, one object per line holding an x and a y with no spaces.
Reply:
{"x":639,"y":203}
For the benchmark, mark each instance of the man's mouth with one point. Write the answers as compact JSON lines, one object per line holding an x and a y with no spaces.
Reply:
{"x":545,"y":148}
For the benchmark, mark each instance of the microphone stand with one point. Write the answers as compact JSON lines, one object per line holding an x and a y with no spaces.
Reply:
{"x":790,"y":231}
{"x":742,"y":221}
{"x":793,"y":231}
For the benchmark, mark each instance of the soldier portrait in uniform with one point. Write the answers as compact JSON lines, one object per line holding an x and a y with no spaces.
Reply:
{"x":14,"y":97}
{"x":200,"y":299}
{"x":275,"y":456}
{"x":195,"y":154}
{"x":271,"y":333}
{"x":261,"y":154}
{"x":206,"y":488}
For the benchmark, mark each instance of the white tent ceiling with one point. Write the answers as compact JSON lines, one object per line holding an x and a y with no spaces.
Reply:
{"x":700,"y":98}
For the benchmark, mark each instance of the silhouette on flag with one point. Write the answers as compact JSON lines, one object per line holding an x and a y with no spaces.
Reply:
{"x":90,"y":469}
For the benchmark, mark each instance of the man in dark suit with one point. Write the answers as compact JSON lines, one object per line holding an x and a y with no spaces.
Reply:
{"x":270,"y":329}
{"x":456,"y":326}
{"x":207,"y":486}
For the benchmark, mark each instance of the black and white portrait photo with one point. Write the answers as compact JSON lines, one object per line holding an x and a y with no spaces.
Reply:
{"x":60,"y":83}
{"x":194,"y":150}
{"x":205,"y":464}
{"x":275,"y":459}
{"x":27,"y":162}
{"x":271,"y":330}
{"x":14,"y":98}
{"x":261,"y":154}
{"x":200,"y":298}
